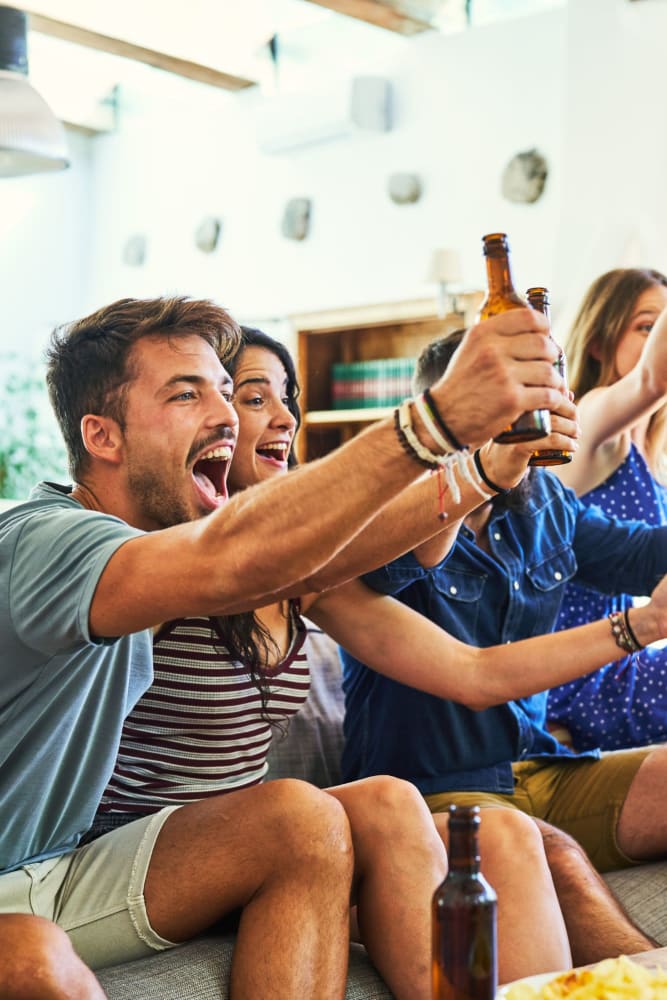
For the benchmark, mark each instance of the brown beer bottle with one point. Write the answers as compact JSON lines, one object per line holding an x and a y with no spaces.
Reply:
{"x":464,"y":918}
{"x":538,"y":298}
{"x":500,"y":298}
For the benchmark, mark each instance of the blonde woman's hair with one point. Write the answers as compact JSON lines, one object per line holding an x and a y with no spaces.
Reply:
{"x":603,"y":317}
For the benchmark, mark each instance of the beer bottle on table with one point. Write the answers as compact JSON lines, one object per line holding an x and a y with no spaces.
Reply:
{"x":500,"y":298}
{"x":538,"y":298}
{"x":464,"y":918}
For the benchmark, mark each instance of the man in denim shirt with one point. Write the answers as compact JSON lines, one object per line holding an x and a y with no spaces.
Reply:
{"x":502,"y":581}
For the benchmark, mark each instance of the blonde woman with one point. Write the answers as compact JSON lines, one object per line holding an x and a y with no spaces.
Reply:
{"x":617,"y":357}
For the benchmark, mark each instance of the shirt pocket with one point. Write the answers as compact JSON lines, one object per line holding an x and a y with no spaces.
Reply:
{"x":555,"y":571}
{"x":456,"y":603}
{"x":460,"y":586}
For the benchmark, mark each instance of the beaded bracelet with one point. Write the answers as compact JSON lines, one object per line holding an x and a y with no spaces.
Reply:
{"x":623,"y":635}
{"x":409,"y":440}
{"x":406,"y":446}
{"x":489,"y":482}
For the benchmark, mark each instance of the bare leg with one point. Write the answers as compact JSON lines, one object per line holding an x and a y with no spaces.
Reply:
{"x":37,"y":962}
{"x":399,"y":862}
{"x":281,"y":851}
{"x":642,"y":826}
{"x":597,"y":925}
{"x":532,"y":936}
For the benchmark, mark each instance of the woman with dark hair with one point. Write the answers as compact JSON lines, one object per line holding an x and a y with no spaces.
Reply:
{"x":617,"y":359}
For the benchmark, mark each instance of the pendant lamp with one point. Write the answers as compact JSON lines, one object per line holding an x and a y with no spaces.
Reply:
{"x":32,"y":140}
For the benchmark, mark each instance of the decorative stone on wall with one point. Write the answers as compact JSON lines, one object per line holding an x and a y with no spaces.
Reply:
{"x":296,"y":218}
{"x":207,"y":234}
{"x":404,"y":189}
{"x":134,"y":251}
{"x":524,"y":177}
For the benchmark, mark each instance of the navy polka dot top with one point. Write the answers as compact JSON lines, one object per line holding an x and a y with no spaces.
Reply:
{"x":624,"y":703}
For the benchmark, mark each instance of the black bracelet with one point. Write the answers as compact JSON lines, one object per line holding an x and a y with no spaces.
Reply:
{"x":449,"y":434}
{"x":489,"y":482}
{"x":630,"y":632}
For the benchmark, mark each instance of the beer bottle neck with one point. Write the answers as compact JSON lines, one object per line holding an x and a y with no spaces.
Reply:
{"x":463,"y":850}
{"x":499,"y":275}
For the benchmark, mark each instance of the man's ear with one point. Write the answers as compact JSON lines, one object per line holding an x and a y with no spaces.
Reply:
{"x":102,"y":438}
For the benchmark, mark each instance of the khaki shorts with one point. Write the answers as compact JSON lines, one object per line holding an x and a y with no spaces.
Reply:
{"x":582,"y":797}
{"x":95,"y":893}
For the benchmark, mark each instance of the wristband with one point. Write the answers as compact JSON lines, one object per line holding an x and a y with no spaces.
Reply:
{"x":624,"y":636}
{"x":489,"y":482}
{"x":449,"y":434}
{"x":631,"y":633}
{"x":426,"y":415}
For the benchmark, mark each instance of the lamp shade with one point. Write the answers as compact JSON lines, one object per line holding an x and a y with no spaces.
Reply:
{"x":32,"y":139}
{"x":445,"y":266}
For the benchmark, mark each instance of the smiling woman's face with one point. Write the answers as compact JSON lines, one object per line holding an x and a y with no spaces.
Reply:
{"x":266,"y":426}
{"x":648,"y":307}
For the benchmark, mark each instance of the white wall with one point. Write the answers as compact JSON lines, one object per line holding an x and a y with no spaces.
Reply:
{"x":583,"y":84}
{"x":46,"y":271}
{"x":463,"y":108}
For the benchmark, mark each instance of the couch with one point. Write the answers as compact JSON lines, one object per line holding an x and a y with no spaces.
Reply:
{"x":199,"y":970}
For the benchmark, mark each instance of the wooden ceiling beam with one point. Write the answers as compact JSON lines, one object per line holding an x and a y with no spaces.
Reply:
{"x":382,"y":13}
{"x":128,"y":50}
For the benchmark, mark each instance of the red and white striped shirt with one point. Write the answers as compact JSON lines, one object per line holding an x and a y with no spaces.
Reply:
{"x":199,"y":729}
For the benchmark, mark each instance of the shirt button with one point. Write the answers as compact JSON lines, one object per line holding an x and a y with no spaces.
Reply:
{"x":453,"y":590}
{"x":516,"y":584}
{"x":558,"y":575}
{"x":496,"y":535}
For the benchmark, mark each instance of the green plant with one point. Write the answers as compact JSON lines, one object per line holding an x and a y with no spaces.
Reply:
{"x":31,"y":447}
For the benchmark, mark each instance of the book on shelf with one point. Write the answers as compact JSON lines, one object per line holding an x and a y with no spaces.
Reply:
{"x":379,"y":382}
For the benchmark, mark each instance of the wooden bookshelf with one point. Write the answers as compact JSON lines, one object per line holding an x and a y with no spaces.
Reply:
{"x":364,"y":333}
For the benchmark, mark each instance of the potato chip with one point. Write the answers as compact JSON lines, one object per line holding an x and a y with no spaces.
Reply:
{"x":611,"y":979}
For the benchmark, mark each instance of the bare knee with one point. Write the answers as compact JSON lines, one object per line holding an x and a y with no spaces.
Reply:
{"x":38,"y":962}
{"x":560,"y":847}
{"x":394,"y":796}
{"x":310,"y":826}
{"x":512,"y":832}
{"x":382,"y":803}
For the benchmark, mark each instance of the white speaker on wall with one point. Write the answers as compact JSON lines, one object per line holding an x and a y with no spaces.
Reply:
{"x":292,"y":121}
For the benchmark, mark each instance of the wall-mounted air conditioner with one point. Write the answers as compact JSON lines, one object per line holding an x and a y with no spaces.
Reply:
{"x":289,"y":122}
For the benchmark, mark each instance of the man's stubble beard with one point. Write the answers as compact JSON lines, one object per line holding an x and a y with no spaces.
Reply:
{"x":157,"y":501}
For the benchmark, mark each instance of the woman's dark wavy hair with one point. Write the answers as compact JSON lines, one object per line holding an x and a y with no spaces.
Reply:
{"x":243,"y":634}
{"x":431,"y":364}
{"x":90,"y":364}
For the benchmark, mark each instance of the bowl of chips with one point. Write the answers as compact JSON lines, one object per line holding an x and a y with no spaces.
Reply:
{"x":612,"y":979}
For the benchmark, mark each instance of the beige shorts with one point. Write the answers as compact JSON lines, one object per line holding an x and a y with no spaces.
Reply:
{"x":582,"y":797}
{"x":95,"y":893}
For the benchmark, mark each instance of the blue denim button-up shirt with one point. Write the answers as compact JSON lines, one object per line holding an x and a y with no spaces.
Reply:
{"x":485,"y":600}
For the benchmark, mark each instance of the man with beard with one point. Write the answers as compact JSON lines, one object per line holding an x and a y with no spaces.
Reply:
{"x":147,"y":534}
{"x":502,"y":581}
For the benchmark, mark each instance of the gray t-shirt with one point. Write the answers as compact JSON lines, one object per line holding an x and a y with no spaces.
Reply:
{"x":63,"y":695}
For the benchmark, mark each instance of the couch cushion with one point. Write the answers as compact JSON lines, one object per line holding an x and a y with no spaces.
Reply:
{"x":642,"y":891}
{"x":312,"y":748}
{"x":200,"y":969}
